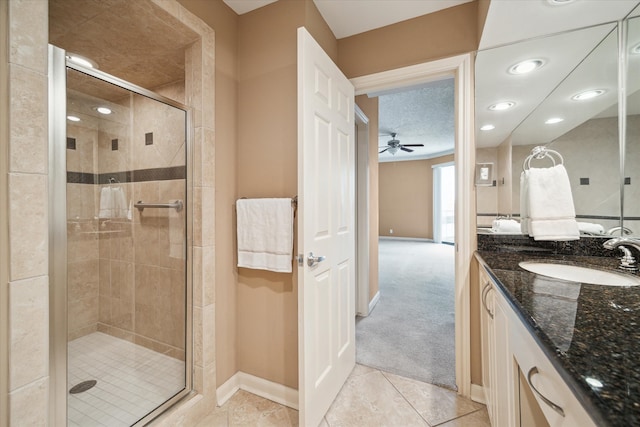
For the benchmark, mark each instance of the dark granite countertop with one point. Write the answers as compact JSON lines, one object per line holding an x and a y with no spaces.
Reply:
{"x":590,"y":332}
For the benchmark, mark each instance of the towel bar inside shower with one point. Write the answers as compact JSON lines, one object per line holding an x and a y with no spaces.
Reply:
{"x":177,"y":205}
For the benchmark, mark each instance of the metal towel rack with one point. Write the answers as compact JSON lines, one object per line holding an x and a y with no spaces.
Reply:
{"x":177,"y":205}
{"x":539,"y":153}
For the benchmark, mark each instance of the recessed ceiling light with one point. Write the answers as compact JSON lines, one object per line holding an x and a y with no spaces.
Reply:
{"x":527,"y":66}
{"x":559,"y":2}
{"x":73,"y":118}
{"x":636,"y":49}
{"x":487,"y":127}
{"x":553,"y":120}
{"x":502,"y":106}
{"x":103,"y":110}
{"x":81,"y":60}
{"x":588,"y":94}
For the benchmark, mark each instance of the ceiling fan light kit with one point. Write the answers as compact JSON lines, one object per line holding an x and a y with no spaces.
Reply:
{"x":393,"y":145}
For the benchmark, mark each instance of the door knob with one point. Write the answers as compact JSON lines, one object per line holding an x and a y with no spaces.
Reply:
{"x":313,"y":260}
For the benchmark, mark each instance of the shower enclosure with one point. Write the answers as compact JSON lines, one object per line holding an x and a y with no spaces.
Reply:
{"x":119,"y":245}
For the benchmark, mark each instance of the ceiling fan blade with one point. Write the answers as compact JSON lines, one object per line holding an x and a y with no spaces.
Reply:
{"x":383,"y":150}
{"x":413,"y":145}
{"x":408,"y":150}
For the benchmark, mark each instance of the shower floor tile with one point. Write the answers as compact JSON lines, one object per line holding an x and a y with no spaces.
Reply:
{"x":131,"y":381}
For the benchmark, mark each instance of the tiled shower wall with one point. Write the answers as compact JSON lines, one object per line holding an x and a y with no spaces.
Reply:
{"x":27,"y":343}
{"x":127,"y":276}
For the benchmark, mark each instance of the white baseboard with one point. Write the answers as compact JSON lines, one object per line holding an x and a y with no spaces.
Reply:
{"x":264,"y":388}
{"x":374,"y":301}
{"x":414,"y":239}
{"x":477,"y":394}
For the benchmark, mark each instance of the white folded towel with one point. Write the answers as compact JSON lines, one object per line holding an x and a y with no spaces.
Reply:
{"x":506,"y":226}
{"x":590,"y":228}
{"x":265,"y":234}
{"x":113,"y":203}
{"x":553,"y":216}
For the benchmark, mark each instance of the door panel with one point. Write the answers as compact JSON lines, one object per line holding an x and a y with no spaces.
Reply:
{"x":326,"y":192}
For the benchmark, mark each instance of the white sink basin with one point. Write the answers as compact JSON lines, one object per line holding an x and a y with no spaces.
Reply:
{"x":574,"y":273}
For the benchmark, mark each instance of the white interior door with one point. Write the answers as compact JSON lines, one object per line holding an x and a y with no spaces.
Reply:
{"x":326,"y":219}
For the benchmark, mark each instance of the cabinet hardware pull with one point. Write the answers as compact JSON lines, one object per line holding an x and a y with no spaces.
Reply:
{"x":485,"y":291}
{"x":553,"y":406}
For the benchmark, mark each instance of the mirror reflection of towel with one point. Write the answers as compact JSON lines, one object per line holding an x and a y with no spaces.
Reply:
{"x":554,"y":305}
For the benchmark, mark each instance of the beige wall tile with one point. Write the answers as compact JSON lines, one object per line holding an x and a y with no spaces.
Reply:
{"x":208,"y":275}
{"x":28,"y":34}
{"x":82,"y":313}
{"x":208,"y":335}
{"x":29,"y":404}
{"x":28,"y":121}
{"x":28,"y":232}
{"x":83,"y":279}
{"x":29,"y":331}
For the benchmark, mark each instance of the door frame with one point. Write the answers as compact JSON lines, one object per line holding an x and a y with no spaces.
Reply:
{"x":461,"y":68}
{"x":362,"y":212}
{"x":437,"y":193}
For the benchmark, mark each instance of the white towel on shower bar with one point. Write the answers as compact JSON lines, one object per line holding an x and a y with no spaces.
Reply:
{"x":265,"y":234}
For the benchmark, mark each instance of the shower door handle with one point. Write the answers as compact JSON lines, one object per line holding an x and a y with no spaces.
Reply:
{"x":313,"y":260}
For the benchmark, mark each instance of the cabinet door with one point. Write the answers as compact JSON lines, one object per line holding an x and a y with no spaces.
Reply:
{"x":487,"y":341}
{"x":504,"y":365}
{"x":557,"y":402}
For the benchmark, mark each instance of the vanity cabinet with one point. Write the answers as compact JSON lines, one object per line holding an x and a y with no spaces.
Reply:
{"x":521,"y":386}
{"x":497,"y":369}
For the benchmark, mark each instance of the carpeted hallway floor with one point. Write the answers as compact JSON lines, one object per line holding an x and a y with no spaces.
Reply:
{"x":410,"y":332}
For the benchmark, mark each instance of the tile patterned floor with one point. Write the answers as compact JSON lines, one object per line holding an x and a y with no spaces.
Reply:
{"x":132,"y":381}
{"x":369,"y":398}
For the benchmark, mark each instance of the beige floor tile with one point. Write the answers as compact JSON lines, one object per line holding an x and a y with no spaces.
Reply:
{"x":435,"y":404}
{"x":360,"y":370}
{"x":476,"y":419}
{"x":370,"y":400}
{"x":246,"y":409}
{"x":218,"y":418}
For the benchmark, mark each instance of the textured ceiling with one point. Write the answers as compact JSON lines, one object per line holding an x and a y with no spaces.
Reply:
{"x":423,"y":115}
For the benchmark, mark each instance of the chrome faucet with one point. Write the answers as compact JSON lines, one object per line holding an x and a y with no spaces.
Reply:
{"x":628,"y":261}
{"x":624,"y":231}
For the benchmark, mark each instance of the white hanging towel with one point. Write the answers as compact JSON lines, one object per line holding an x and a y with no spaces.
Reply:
{"x":106,"y":203}
{"x":120,"y":206}
{"x":265,"y":234}
{"x":553,"y":216}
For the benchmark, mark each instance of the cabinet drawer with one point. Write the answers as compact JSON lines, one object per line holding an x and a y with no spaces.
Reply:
{"x":559,"y":405}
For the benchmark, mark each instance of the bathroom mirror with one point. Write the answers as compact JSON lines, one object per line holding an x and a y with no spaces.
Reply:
{"x":548,"y":111}
{"x":631,"y":208}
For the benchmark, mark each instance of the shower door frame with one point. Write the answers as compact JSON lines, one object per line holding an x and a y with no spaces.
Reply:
{"x":58,"y":233}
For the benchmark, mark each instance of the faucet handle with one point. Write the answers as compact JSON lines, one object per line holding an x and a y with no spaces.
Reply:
{"x":627,"y":261}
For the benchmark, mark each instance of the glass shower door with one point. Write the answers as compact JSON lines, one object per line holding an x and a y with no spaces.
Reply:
{"x":127,"y":287}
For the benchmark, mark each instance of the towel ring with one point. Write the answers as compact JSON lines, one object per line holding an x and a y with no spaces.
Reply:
{"x":539,"y":153}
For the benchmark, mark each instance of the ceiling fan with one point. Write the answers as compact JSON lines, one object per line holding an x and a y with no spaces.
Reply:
{"x":394,"y":145}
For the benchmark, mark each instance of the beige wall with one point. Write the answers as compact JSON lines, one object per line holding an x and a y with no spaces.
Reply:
{"x":406,"y":197}
{"x":225,"y":23}
{"x":4,"y":222}
{"x":505,"y":181}
{"x":487,"y":196}
{"x":369,"y":107}
{"x":438,"y":35}
{"x":267,"y":334}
